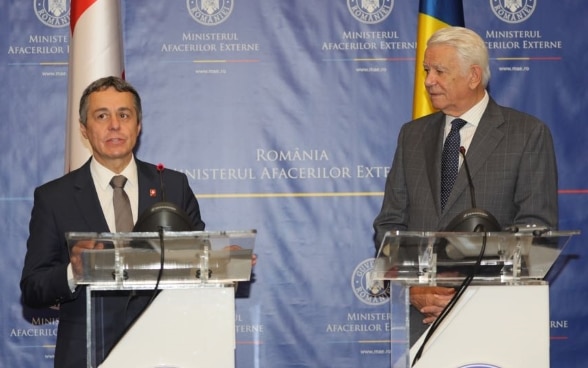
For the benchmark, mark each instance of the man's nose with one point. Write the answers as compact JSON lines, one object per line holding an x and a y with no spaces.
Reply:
{"x":114,"y":123}
{"x":429,"y":79}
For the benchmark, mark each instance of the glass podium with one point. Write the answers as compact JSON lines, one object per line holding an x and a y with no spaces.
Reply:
{"x":187,"y":281}
{"x":501,"y":315}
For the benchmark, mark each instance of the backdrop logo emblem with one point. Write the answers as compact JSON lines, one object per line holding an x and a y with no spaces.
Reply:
{"x":363,"y":285}
{"x":52,"y":13}
{"x":513,"y":11}
{"x":370,"y":11}
{"x":210,"y":12}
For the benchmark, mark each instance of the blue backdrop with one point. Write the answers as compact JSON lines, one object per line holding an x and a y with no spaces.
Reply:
{"x":284,"y":114}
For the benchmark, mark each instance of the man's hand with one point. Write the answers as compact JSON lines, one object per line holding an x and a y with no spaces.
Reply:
{"x":430,"y":300}
{"x":75,"y":257}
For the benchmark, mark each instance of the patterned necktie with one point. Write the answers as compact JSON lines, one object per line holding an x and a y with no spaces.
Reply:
{"x":122,"y":206}
{"x":450,"y":160}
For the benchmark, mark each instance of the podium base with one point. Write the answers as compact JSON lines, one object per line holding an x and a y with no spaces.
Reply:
{"x":182,"y":328}
{"x":499,"y":326}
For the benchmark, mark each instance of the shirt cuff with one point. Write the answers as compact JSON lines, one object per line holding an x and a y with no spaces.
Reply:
{"x":71,"y":281}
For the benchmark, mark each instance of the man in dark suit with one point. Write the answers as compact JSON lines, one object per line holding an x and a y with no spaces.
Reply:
{"x":510,"y":155}
{"x":82,"y":201}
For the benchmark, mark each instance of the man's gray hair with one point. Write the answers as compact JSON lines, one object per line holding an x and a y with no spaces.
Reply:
{"x":470,"y":48}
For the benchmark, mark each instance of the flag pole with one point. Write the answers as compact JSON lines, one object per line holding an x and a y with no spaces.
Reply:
{"x":96,"y":51}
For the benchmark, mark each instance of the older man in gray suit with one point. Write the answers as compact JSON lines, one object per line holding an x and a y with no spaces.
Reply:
{"x":510,"y":156}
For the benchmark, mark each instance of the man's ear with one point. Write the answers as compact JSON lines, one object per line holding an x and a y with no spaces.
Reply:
{"x":83,"y":130}
{"x":475,"y":76}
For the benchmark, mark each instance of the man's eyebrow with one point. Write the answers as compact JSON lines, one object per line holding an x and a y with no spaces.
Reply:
{"x":100,"y":109}
{"x":436,"y":66}
{"x":105,"y":109}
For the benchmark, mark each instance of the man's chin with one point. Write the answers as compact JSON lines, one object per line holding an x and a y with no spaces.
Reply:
{"x":436,"y":102}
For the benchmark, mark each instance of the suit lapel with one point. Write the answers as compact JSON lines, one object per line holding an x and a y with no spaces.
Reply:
{"x":149,"y":186}
{"x":87,"y":200}
{"x":433,"y":145}
{"x":484,"y":142}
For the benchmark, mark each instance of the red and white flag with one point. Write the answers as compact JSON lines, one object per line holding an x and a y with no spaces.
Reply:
{"x":96,"y":51}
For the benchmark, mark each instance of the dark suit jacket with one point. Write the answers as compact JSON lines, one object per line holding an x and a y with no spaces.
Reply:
{"x":513,"y":168}
{"x":68,"y":204}
{"x":512,"y":164}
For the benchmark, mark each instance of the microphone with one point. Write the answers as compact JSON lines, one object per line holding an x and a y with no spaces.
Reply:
{"x":470,"y":182}
{"x":471,"y":220}
{"x":160,"y":169}
{"x":163,"y":215}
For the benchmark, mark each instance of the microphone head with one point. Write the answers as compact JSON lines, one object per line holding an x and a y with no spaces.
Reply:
{"x":473,"y":220}
{"x":163,"y":215}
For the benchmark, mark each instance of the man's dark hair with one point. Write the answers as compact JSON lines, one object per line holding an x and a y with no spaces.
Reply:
{"x":102,"y":84}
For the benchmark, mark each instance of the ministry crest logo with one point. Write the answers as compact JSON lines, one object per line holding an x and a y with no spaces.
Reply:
{"x":210,"y":12}
{"x":513,"y":11}
{"x":365,"y":288}
{"x":52,"y":13}
{"x":370,"y":11}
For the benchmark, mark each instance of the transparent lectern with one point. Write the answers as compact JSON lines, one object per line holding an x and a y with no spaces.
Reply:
{"x":190,"y":319}
{"x":501,"y":318}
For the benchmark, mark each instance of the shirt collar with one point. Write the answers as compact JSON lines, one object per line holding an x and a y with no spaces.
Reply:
{"x":473,"y":115}
{"x":103,"y":175}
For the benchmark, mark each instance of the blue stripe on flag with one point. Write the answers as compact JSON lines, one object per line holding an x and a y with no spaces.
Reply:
{"x":447,"y":11}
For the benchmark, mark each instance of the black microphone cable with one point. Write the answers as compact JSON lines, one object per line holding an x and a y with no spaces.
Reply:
{"x":161,"y":265}
{"x":160,"y":232}
{"x":458,"y":294}
{"x":133,"y":294}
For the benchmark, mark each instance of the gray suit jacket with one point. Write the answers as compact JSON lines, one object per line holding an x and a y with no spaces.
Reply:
{"x":513,"y":168}
{"x":512,"y":164}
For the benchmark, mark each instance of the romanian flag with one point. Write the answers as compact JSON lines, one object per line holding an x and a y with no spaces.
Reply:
{"x":96,"y":51}
{"x":433,"y":15}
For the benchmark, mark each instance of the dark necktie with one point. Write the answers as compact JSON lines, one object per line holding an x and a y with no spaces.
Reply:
{"x":122,"y":206}
{"x":450,"y":160}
